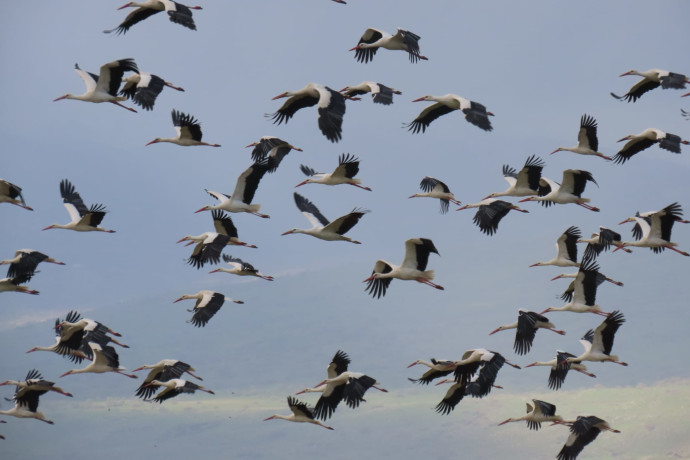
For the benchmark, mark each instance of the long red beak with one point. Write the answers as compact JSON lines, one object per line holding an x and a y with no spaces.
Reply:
{"x":418,"y":100}
{"x":279,"y":96}
{"x":495,"y":331}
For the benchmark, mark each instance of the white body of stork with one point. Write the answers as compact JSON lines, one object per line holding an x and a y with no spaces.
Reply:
{"x":380,"y":94}
{"x":600,"y":242}
{"x":104,"y":87}
{"x":240,"y":268}
{"x":174,"y":387}
{"x":598,"y":343}
{"x":522,"y":183}
{"x":413,"y":267}
{"x":653,"y":229}
{"x":540,"y":412}
{"x":11,"y":193}
{"x":373,"y":39}
{"x":330,"y":105}
{"x":25,"y":262}
{"x":272,"y":148}
{"x":651,"y":79}
{"x":242,"y":196}
{"x":143,"y":88}
{"x":188,"y":131}
{"x":569,"y":191}
{"x":639,"y":142}
{"x":32,"y":386}
{"x":558,"y":370}
{"x":207,"y":250}
{"x":163,"y":370}
{"x":474,"y":112}
{"x":24,"y":410}
{"x":177,"y":13}
{"x":587,"y":141}
{"x":15,"y":285}
{"x":437,"y":368}
{"x":224,"y":226}
{"x":526,"y":328}
{"x":105,"y":359}
{"x":434,"y":188}
{"x":344,"y":173}
{"x":83,"y":219}
{"x":490,"y":213}
{"x":207,"y":305}
{"x":300,"y":414}
{"x":566,"y":247}
{"x":322,"y":228}
{"x":583,"y":431}
{"x":584,"y":291}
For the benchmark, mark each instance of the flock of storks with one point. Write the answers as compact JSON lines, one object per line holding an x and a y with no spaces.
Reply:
{"x":474,"y":374}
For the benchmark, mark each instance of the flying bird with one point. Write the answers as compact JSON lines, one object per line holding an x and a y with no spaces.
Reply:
{"x":25,"y":261}
{"x":15,"y":285}
{"x":330,"y":105}
{"x":584,"y":291}
{"x":434,"y":188}
{"x":207,"y":250}
{"x":478,"y":386}
{"x":83,"y":219}
{"x":177,"y":13}
{"x":598,"y":343}
{"x":240,"y":268}
{"x":380,"y":93}
{"x":163,"y":370}
{"x":566,"y":246}
{"x":522,"y":183}
{"x":27,"y":409}
{"x":207,"y":305}
{"x":583,"y":431}
{"x":653,"y":229}
{"x":188,"y":131}
{"x":105,"y":359}
{"x":242,"y":196}
{"x":479,"y":359}
{"x":651,"y":79}
{"x":526,"y":328}
{"x":569,"y":191}
{"x":344,"y":173}
{"x":639,"y":142}
{"x":413,"y":267}
{"x":104,"y":86}
{"x":174,"y":387}
{"x":322,"y":228}
{"x":143,"y":88}
{"x":224,"y":226}
{"x":474,"y":112}
{"x":490,"y":213}
{"x":373,"y":39}
{"x":559,"y":368}
{"x":33,"y":386}
{"x":540,"y":412}
{"x":600,"y":242}
{"x":587,"y":142}
{"x":437,"y":368}
{"x":300,"y":413}
{"x":11,"y":193}
{"x":272,"y":148}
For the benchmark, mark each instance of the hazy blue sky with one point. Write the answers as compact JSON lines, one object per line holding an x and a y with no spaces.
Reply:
{"x":537,"y":65}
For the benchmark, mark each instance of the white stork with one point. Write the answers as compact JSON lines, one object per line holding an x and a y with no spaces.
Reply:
{"x":413,"y":267}
{"x":652,"y":78}
{"x":526,"y":328}
{"x":437,"y":368}
{"x":639,"y":142}
{"x":33,"y":385}
{"x":207,"y":304}
{"x":163,"y":371}
{"x":522,"y":183}
{"x":479,"y":358}
{"x":478,"y":386}
{"x":104,"y":87}
{"x":598,"y":343}
{"x":174,"y":387}
{"x":602,"y":241}
{"x":242,"y":196}
{"x":177,"y":13}
{"x":653,"y":229}
{"x":559,"y":371}
{"x":583,"y":431}
{"x":27,"y":410}
{"x":584,"y":291}
{"x":380,"y":93}
{"x":207,"y":250}
{"x":15,"y":285}
{"x":143,"y":88}
{"x":587,"y":142}
{"x":105,"y":359}
{"x":188,"y":131}
{"x":300,"y":413}
{"x":11,"y":193}
{"x":272,"y":148}
{"x":83,"y":219}
{"x":434,"y":188}
{"x":566,"y":246}
{"x":569,"y":191}
{"x":540,"y":412}
{"x":25,"y":262}
{"x":474,"y":112}
{"x":223,"y":225}
{"x":490,"y":213}
{"x":373,"y":39}
{"x":330,"y":105}
{"x":322,"y":228}
{"x":344,"y":173}
{"x":240,"y":268}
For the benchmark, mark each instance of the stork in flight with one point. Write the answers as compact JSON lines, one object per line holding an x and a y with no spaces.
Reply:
{"x":105,"y":359}
{"x":83,"y":219}
{"x":413,"y":267}
{"x":653,"y":229}
{"x":559,"y":368}
{"x":25,"y":261}
{"x":300,"y":413}
{"x":104,"y":87}
{"x":163,"y":370}
{"x":174,"y":387}
{"x":598,"y":343}
{"x":143,"y":88}
{"x":587,"y":142}
{"x":526,"y":328}
{"x":11,"y":193}
{"x":207,"y":305}
{"x":15,"y":285}
{"x":583,"y":431}
{"x":322,"y":228}
{"x":540,"y":412}
{"x":490,"y":213}
{"x":474,"y":112}
{"x":569,"y":191}
{"x":380,"y":93}
{"x":240,"y":268}
{"x":566,"y":246}
{"x":373,"y":39}
{"x":651,"y":79}
{"x":242,"y":196}
{"x":177,"y":13}
{"x":434,"y":188}
{"x":584,"y":291}
{"x":272,"y":148}
{"x":522,"y":183}
{"x":188,"y":131}
{"x":600,"y":242}
{"x":344,"y":173}
{"x":641,"y":141}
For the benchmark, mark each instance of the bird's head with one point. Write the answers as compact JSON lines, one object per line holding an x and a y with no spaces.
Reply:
{"x":294,"y":230}
{"x":629,"y":72}
{"x":546,"y":311}
{"x":498,"y":329}
{"x":50,"y":226}
{"x":424,"y":98}
{"x":68,"y":372}
{"x":155,"y":141}
{"x":66,"y":96}
{"x":205,"y":208}
{"x":306,"y":181}
{"x":559,"y":149}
